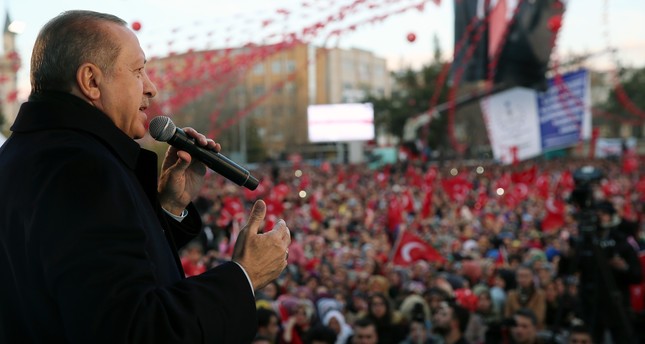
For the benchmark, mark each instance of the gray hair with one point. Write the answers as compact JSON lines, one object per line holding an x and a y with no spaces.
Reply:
{"x":65,"y":43}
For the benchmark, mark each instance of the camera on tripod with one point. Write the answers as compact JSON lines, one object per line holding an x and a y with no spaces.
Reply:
{"x":582,"y":194}
{"x":582,"y":197}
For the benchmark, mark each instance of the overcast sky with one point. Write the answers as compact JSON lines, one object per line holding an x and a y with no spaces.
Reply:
{"x":588,"y":26}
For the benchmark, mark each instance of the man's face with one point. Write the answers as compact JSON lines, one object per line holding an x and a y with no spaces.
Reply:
{"x":524,"y":331}
{"x":524,"y":277}
{"x":125,"y":90}
{"x":378,"y":307}
{"x":272,"y":328}
{"x":365,"y":335}
{"x":442,"y":319}
{"x":417,"y":332}
{"x":580,"y":338}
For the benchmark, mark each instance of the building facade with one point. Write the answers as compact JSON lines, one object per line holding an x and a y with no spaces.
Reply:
{"x":9,"y":66}
{"x":268,"y":89}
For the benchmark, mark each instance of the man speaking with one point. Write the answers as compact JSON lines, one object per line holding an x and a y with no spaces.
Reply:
{"x":88,"y":236}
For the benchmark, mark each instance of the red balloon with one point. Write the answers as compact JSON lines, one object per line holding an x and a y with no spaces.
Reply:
{"x":136,"y":26}
{"x":412,"y":37}
{"x":555,"y":23}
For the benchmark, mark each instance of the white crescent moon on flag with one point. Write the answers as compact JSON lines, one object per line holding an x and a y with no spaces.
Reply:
{"x":550,"y":205}
{"x":407,"y":248}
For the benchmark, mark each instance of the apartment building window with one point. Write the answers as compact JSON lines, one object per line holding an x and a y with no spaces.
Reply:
{"x":258,"y":69}
{"x":276,"y":67}
{"x":258,"y":90}
{"x":258,"y":111}
{"x":290,"y":66}
{"x":290,"y":88}
{"x":363,"y":71}
{"x":379,"y":71}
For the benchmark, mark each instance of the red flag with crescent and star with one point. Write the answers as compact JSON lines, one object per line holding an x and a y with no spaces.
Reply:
{"x":412,"y":248}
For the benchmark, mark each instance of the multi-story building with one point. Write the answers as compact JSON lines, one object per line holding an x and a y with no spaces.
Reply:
{"x":9,"y":66}
{"x":268,"y":89}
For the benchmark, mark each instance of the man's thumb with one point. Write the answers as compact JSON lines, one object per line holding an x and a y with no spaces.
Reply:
{"x":257,"y":216}
{"x":183,"y":161}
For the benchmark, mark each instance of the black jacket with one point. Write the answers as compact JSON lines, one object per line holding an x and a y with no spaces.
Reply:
{"x":87,"y":254}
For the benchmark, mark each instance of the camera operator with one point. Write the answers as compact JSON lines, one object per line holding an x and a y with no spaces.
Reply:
{"x":607,"y":264}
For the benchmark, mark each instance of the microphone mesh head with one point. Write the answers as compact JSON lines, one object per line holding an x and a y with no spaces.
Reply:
{"x":161,"y":128}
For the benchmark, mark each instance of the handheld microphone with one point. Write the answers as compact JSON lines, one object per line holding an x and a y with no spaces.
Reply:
{"x":164,"y":130}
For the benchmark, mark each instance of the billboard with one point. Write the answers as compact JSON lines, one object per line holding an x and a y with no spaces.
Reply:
{"x":526,"y":123}
{"x":340,"y":122}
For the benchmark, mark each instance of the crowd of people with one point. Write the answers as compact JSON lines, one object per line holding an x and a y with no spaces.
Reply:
{"x":509,"y":242}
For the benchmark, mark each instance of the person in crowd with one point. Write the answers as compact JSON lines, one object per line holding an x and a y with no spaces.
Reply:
{"x":388,"y":323}
{"x":524,"y":328}
{"x":90,"y":237}
{"x":365,"y":332}
{"x":486,"y":322}
{"x":298,"y":324}
{"x":526,"y":295}
{"x":270,"y":292}
{"x":268,"y":324}
{"x":604,"y":282}
{"x":418,"y":333}
{"x":192,"y":259}
{"x":434,"y":297}
{"x":450,"y":323}
{"x":320,"y":334}
{"x":260,"y":339}
{"x":560,"y":308}
{"x":336,"y":321}
{"x":580,"y":335}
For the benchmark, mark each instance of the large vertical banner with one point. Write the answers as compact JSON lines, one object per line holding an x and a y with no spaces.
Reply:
{"x":565,"y":111}
{"x":523,"y":123}
{"x":512,"y":123}
{"x":470,"y":31}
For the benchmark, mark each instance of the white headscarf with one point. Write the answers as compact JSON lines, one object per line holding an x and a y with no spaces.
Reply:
{"x":345,"y":330}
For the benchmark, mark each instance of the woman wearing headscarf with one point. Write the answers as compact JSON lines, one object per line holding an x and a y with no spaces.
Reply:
{"x":336,"y":321}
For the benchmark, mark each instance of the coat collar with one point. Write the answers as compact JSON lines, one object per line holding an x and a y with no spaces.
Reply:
{"x":60,"y":110}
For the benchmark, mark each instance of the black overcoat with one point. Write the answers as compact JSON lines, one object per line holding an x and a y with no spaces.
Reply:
{"x":87,"y":255}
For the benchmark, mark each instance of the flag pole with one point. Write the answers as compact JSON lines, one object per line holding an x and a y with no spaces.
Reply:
{"x":397,"y":242}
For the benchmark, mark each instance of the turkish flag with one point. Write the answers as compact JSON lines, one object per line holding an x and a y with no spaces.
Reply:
{"x":630,"y":161}
{"x":407,"y":201}
{"x":430,"y":176}
{"x":426,"y":207}
{"x":610,"y":188}
{"x":543,"y":185}
{"x":554,"y":218}
{"x":232,"y":209}
{"x":411,"y":248}
{"x":566,"y":182}
{"x":457,"y":188}
{"x":527,"y":177}
{"x":394,"y":213}
{"x":503,"y":182}
{"x":315,"y":212}
{"x":640,"y":188}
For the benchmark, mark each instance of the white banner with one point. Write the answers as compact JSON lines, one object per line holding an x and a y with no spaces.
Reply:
{"x":524,"y":123}
{"x":512,"y":123}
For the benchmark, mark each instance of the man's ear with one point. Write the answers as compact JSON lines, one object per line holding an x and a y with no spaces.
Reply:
{"x":88,"y":79}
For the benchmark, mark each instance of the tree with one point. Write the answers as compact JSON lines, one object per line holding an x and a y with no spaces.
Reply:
{"x":410,"y":97}
{"x":627,"y":103}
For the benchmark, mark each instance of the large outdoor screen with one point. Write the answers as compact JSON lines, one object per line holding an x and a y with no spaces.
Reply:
{"x":340,"y":122}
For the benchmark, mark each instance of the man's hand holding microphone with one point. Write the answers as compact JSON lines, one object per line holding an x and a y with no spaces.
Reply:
{"x":263,"y":256}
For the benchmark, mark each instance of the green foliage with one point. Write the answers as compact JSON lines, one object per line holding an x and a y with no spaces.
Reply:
{"x":411,"y":96}
{"x":633,"y":82}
